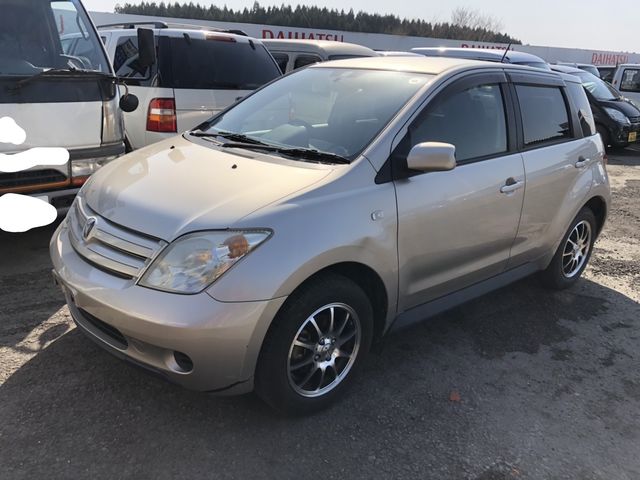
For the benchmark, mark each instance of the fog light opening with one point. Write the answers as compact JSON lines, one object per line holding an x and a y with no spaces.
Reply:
{"x":183,"y":361}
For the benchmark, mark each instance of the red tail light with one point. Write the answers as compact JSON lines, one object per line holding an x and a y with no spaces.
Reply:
{"x":161,"y":116}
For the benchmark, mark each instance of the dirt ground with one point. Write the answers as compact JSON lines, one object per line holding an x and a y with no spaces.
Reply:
{"x":522,"y":383}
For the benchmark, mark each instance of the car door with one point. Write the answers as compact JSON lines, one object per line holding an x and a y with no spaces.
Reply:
{"x":456,"y":228}
{"x":627,"y":80}
{"x":556,"y":154}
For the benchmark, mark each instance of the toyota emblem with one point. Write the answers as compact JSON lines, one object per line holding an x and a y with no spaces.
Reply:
{"x":88,"y":227}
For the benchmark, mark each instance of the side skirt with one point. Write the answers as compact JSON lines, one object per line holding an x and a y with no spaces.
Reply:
{"x":447,"y":302}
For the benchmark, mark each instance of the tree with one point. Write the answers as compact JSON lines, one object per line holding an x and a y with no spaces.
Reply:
{"x":466,"y":24}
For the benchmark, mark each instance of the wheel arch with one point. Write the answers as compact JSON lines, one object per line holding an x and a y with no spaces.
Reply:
{"x":598,"y":206}
{"x":366,"y":278}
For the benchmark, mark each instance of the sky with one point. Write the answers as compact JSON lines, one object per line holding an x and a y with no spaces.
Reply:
{"x":589,"y":24}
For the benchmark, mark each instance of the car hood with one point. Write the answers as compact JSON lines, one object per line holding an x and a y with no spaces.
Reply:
{"x":625,"y":106}
{"x":177,"y":186}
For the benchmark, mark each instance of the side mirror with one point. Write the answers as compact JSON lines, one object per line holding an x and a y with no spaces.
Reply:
{"x":146,"y":47}
{"x":128,"y":102}
{"x":432,"y":157}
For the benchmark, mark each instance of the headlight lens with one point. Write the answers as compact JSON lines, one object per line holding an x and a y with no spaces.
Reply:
{"x":193,"y":262}
{"x":86,"y":167}
{"x":617,"y":115}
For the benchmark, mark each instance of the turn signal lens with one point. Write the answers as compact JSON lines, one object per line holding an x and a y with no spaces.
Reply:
{"x":161,"y":116}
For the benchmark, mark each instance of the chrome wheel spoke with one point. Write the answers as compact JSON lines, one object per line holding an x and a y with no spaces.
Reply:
{"x":331,"y":320}
{"x":313,"y":322}
{"x":323,"y":372}
{"x":344,"y":324}
{"x":342,"y":340}
{"x":304,"y":363}
{"x":307,"y":377}
{"x":308,"y":346}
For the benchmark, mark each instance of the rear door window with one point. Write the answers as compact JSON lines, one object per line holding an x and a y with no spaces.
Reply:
{"x":304,"y":60}
{"x":545,"y":116}
{"x":219,"y":63}
{"x":282,"y":59}
{"x":579,"y":97}
{"x":630,"y":80}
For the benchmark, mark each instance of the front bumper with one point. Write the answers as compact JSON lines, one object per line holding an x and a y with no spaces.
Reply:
{"x":620,"y":134}
{"x":148,"y":327}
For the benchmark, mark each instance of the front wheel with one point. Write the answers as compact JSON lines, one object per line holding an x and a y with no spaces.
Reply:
{"x":316,"y":343}
{"x":574,"y":252}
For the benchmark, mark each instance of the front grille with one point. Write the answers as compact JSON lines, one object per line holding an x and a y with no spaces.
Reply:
{"x":113,"y":333}
{"x":634,"y":119}
{"x":31,"y":177}
{"x":107,"y":246}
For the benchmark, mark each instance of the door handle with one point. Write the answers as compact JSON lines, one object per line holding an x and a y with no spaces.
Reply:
{"x":582,"y":162}
{"x":511,"y":186}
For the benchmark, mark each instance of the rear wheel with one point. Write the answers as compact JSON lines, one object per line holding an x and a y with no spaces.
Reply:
{"x":318,"y":340}
{"x":574,"y":252}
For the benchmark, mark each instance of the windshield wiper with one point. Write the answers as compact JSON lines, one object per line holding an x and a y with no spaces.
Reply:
{"x":306,"y":153}
{"x":59,"y":72}
{"x":235,"y":137}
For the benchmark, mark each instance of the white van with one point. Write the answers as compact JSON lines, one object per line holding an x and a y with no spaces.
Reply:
{"x":626,"y":78}
{"x":59,"y":98}
{"x":198,"y":72}
{"x":293,"y":54}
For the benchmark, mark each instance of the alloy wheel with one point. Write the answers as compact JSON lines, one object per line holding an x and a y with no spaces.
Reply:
{"x":324,"y":350}
{"x":576,"y":249}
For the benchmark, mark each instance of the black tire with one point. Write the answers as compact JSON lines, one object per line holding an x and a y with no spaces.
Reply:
{"x":557,"y":275}
{"x":273,"y":381}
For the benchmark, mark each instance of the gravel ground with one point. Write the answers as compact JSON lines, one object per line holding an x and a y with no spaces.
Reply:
{"x":521,"y":384}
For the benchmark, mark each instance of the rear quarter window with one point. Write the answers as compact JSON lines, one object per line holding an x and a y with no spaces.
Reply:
{"x":545,"y":117}
{"x":216,"y":64}
{"x":581,"y":102}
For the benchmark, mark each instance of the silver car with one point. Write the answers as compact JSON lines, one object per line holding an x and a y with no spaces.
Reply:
{"x":270,"y":247}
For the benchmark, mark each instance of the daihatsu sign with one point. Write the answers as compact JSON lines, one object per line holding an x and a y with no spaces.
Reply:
{"x":378,"y":41}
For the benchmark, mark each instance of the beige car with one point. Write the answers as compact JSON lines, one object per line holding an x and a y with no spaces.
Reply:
{"x":268,"y":249}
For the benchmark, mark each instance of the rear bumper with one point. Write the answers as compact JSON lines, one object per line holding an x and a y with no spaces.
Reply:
{"x":147,"y":327}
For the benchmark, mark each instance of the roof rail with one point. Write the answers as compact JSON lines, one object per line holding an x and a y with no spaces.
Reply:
{"x":207,"y":27}
{"x":134,"y":24}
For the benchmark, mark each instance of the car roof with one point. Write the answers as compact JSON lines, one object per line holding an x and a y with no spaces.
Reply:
{"x":478,"y":53}
{"x":423,"y":64}
{"x":397,"y":53}
{"x":571,"y":74}
{"x":576,"y":64}
{"x":329,"y":46}
{"x":193,"y":32}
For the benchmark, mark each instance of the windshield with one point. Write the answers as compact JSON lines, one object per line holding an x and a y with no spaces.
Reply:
{"x":595,"y":86}
{"x":333,"y":110}
{"x":39,"y":35}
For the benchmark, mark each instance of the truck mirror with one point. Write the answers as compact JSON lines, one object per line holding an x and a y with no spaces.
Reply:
{"x":146,"y":47}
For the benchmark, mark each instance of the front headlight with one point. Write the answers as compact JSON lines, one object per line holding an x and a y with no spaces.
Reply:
{"x":617,"y":115}
{"x":193,"y":262}
{"x":88,"y":166}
